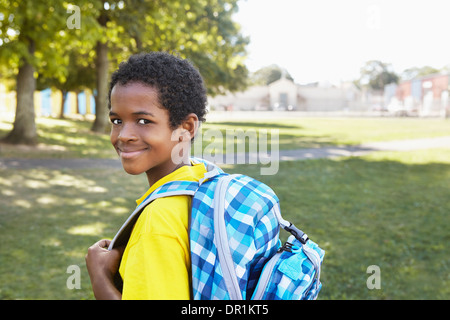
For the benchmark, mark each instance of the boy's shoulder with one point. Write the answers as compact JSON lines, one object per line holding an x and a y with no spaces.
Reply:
{"x":164,"y":214}
{"x":165,"y":205}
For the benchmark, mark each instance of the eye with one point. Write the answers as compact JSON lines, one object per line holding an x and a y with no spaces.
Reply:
{"x":116,"y":121}
{"x":144,"y":121}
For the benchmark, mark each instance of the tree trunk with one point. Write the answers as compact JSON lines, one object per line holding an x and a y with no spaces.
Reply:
{"x":77,"y":92}
{"x":24,"y":129}
{"x":101,"y":102}
{"x":63,"y":102}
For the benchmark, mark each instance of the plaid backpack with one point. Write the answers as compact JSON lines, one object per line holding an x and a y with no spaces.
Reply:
{"x":234,"y":240}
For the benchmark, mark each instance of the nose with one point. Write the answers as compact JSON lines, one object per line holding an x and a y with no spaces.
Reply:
{"x":127,"y":133}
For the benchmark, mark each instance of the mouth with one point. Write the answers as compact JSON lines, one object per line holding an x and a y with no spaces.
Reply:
{"x":130,"y":154}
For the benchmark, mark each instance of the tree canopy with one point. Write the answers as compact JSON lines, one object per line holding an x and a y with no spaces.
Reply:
{"x":269,"y":74}
{"x":73,"y":46}
{"x":376,"y":74}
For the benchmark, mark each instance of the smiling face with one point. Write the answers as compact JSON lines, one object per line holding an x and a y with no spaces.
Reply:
{"x":140,"y":131}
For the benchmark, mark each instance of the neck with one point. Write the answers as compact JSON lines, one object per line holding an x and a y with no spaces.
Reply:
{"x":156,"y":174}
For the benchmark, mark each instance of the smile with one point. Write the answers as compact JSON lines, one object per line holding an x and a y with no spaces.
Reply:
{"x":129,"y":154}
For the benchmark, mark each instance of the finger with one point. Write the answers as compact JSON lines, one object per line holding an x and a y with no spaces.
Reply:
{"x":104,"y":243}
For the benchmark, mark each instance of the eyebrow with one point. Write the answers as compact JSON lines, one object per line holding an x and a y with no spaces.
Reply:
{"x":137,"y":113}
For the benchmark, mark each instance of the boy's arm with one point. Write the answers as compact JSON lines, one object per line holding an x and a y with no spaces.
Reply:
{"x":102,"y":265}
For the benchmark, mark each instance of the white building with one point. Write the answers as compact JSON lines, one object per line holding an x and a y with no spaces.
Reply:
{"x":284,"y":94}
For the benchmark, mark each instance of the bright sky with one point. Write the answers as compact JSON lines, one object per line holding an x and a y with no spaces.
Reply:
{"x":318,"y":40}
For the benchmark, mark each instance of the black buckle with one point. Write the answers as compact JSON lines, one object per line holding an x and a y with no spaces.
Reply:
{"x":297,"y":233}
{"x":287,"y":246}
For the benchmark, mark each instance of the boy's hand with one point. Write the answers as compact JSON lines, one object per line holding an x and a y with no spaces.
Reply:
{"x":102,"y":265}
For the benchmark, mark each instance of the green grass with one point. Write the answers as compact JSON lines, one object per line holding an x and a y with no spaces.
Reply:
{"x":388,"y":208}
{"x":48,"y":219}
{"x":58,"y":138}
{"x":314,"y":132}
{"x":72,"y":138}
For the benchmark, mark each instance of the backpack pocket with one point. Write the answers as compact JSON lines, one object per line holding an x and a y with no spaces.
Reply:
{"x":293,"y":273}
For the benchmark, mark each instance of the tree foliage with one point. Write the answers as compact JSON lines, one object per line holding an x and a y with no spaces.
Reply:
{"x":34,"y":36}
{"x":414,"y":72}
{"x":376,"y":74}
{"x":269,"y":74}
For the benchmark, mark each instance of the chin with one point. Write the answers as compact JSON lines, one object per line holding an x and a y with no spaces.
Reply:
{"x":132,"y":170}
{"x":134,"y":173}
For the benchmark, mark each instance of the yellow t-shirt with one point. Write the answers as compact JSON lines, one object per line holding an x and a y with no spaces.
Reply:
{"x":156,"y":260}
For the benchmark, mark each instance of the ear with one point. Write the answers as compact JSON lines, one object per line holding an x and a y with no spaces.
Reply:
{"x":191,"y":124}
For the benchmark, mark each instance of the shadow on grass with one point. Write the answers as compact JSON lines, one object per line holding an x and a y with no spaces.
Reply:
{"x":58,"y":138}
{"x":289,"y":136}
{"x":362,"y":212}
{"x":48,"y":220}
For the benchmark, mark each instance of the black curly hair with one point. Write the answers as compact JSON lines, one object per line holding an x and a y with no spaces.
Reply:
{"x":180,"y":86}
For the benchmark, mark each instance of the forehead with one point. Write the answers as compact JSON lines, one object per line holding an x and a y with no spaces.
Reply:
{"x":136,"y":99}
{"x":134,"y":93}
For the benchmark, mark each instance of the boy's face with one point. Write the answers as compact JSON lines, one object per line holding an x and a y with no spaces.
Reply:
{"x":140,"y":131}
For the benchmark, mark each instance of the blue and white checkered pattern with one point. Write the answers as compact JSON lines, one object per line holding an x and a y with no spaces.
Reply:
{"x":294,"y":277}
{"x":252,"y":231}
{"x":171,"y":188}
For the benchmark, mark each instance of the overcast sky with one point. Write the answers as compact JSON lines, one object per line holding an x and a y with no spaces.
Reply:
{"x":318,"y":40}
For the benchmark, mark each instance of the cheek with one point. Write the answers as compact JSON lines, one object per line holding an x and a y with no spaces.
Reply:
{"x":161,"y":139}
{"x":113,"y":137}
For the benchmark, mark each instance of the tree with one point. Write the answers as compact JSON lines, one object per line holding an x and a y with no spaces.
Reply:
{"x":414,"y":72}
{"x":35,"y":39}
{"x":33,"y":34}
{"x":269,"y":74}
{"x":78,"y":76}
{"x":215,"y":44}
{"x":376,"y":74}
{"x":26,"y":28}
{"x":202,"y":31}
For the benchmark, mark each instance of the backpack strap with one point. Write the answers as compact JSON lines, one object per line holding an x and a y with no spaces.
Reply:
{"x":288,"y":226}
{"x":211,"y":169}
{"x":173,"y":188}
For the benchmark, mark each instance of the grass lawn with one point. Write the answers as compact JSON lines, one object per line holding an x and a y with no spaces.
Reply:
{"x":60,"y":139}
{"x":388,"y":209}
{"x":314,"y":132}
{"x":73,"y":139}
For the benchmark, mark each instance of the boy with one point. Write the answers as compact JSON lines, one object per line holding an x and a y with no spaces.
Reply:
{"x":156,"y":101}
